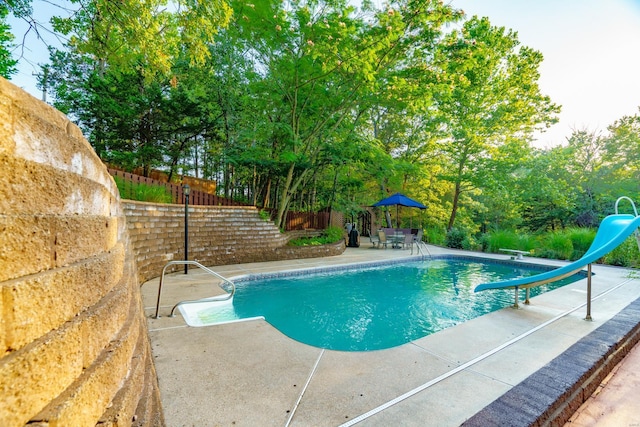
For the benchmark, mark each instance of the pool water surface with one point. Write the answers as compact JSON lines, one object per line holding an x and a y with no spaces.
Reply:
{"x":378,"y":307}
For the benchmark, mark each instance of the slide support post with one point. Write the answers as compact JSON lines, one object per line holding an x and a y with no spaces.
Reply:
{"x":588,"y":293}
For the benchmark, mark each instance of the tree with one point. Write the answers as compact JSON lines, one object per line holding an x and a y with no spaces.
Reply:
{"x":585,"y":152}
{"x":620,"y":172}
{"x":320,"y":61}
{"x":129,"y":120}
{"x":499,"y":203}
{"x":7,"y":63}
{"x":308,"y":104}
{"x":622,"y":147}
{"x":489,"y":95}
{"x":133,"y":35}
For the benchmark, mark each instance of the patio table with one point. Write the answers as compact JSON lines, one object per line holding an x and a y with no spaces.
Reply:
{"x":396,"y":239}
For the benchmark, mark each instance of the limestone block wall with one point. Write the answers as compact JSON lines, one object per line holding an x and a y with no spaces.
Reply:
{"x":74,"y":349}
{"x":218,"y":235}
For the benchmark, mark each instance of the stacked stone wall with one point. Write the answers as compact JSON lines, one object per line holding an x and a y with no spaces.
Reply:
{"x":218,"y":235}
{"x":74,"y":349}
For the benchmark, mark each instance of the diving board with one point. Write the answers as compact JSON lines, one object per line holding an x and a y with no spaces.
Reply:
{"x":613,"y":231}
{"x":517,"y":254}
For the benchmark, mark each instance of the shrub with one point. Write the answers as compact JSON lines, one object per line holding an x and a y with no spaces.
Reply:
{"x":508,"y":240}
{"x":581,"y":238}
{"x":502,"y":240}
{"x":265,"y":215}
{"x":469,"y":243}
{"x":625,"y":255}
{"x":484,"y":242}
{"x":556,"y":246}
{"x":333,"y":234}
{"x":143,"y":192}
{"x":329,"y":235}
{"x":527,"y":242}
{"x":569,"y":244}
{"x":455,"y":238}
{"x":434,"y":236}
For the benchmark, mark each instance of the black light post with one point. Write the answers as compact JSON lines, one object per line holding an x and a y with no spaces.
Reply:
{"x":186,"y":189}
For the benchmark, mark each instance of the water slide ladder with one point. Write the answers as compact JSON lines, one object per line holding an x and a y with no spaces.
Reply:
{"x":226,"y":281}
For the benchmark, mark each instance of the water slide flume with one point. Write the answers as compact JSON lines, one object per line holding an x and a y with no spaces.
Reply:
{"x":613,"y":231}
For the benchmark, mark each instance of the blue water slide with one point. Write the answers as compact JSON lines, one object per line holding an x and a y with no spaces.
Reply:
{"x":613,"y":230}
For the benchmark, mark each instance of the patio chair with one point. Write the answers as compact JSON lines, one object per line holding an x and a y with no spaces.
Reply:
{"x":417,"y":238}
{"x":408,"y":241}
{"x":375,"y":240}
{"x":382,"y":239}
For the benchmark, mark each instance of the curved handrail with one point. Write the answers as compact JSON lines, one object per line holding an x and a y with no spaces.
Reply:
{"x":633,"y":205}
{"x":635,"y":211}
{"x":224,"y":279}
{"x":613,"y":230}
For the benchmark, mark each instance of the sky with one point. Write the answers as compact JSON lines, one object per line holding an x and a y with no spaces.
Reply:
{"x":31,"y":50}
{"x":591,"y":52}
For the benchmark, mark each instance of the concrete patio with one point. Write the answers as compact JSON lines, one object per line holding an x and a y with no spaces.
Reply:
{"x":249,"y":374}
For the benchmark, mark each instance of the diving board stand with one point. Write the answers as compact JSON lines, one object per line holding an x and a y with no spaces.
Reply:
{"x":516,"y":253}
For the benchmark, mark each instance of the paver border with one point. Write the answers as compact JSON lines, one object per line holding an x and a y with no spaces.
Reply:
{"x":551,"y":395}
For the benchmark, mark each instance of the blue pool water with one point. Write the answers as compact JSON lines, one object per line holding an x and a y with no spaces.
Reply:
{"x":379,"y":307}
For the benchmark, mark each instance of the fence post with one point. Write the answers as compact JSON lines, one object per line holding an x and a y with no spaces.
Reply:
{"x":186,"y":227}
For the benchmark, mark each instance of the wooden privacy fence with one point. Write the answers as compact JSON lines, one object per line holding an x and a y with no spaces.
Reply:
{"x":196,"y":197}
{"x":307,"y":220}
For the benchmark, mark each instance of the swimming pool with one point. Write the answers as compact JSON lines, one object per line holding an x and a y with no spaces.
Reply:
{"x":374,"y":307}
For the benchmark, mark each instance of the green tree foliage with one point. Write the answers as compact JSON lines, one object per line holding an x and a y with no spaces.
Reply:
{"x":320,"y":62}
{"x":489,"y":95}
{"x":547,"y":200}
{"x":498,"y":202}
{"x":311,"y":104}
{"x":144,"y":36}
{"x":585,"y":151}
{"x":7,"y":63}
{"x":622,"y":154}
{"x":118,"y":112}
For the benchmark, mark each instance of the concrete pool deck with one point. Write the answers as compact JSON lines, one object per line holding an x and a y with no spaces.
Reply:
{"x":249,"y":374}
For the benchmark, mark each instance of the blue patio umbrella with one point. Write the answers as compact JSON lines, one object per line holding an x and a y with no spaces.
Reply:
{"x":400,"y":199}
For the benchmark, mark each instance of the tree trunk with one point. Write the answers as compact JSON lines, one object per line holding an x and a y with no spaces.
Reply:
{"x":254,"y":186}
{"x":333,"y":193}
{"x":267,"y":196}
{"x":454,"y":208}
{"x":195,"y":157}
{"x":285,"y":196}
{"x":388,"y":218}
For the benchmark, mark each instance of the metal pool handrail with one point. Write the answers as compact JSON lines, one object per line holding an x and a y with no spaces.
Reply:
{"x":197,"y":264}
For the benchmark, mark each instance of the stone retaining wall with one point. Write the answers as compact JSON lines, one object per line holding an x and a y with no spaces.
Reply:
{"x":74,"y":349}
{"x":218,"y":235}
